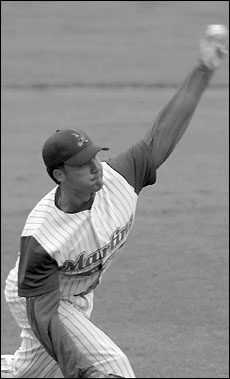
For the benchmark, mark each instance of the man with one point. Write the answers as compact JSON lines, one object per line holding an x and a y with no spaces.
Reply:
{"x":72,"y":235}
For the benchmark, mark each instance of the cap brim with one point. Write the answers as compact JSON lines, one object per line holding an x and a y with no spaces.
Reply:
{"x":85,"y":155}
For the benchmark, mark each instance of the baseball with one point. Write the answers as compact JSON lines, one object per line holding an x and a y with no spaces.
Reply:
{"x":217,"y":30}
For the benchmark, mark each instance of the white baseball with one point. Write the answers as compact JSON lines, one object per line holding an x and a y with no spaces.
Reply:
{"x":217,"y":31}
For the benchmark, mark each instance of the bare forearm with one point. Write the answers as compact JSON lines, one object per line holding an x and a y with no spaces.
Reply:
{"x":174,"y":118}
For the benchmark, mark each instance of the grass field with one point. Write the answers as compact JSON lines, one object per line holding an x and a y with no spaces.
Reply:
{"x":109,"y":67}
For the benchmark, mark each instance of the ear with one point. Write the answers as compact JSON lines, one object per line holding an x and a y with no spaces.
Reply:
{"x":59,"y":175}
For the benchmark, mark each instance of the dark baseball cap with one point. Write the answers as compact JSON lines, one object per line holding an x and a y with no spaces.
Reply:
{"x":73,"y":147}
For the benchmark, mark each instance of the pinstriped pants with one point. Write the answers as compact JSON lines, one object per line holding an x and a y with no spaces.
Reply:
{"x":31,"y":360}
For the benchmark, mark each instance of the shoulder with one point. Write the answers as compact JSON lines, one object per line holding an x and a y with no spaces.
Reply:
{"x":40,"y":213}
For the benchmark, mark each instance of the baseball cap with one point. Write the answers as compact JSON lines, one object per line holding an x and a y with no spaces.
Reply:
{"x":74,"y":147}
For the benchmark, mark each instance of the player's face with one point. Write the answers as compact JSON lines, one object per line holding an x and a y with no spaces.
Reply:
{"x":84,"y":179}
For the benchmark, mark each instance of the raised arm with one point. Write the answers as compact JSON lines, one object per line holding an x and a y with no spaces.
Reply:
{"x":139,"y":163}
{"x":174,"y":118}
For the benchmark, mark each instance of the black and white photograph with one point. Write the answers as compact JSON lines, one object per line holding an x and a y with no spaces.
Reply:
{"x":115,"y":189}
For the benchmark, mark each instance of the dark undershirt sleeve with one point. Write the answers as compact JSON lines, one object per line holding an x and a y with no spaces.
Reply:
{"x":139,"y":163}
{"x":38,"y":282}
{"x":38,"y":271}
{"x":135,"y":165}
{"x":174,"y":118}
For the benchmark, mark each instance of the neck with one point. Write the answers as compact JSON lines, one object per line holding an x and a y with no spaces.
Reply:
{"x":70,"y":202}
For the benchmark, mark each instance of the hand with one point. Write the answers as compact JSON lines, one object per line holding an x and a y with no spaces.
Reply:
{"x":213,"y":46}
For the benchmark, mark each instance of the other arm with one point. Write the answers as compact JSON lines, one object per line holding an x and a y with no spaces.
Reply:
{"x":38,"y":282}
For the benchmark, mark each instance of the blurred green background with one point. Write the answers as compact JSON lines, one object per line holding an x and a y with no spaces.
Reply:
{"x":109,"y":67}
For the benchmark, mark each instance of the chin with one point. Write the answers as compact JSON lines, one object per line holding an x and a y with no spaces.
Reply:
{"x":98,"y":185}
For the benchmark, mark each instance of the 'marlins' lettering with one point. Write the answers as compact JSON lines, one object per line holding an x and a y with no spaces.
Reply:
{"x":87,"y":265}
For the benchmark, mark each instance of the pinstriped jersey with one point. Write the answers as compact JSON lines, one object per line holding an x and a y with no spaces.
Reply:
{"x":83,"y":244}
{"x":72,"y":250}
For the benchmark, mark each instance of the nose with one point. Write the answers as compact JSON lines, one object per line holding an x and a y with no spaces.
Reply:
{"x":94,"y":165}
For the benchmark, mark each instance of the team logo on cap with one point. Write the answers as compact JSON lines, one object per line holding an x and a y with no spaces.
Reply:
{"x":80,"y":139}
